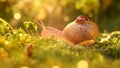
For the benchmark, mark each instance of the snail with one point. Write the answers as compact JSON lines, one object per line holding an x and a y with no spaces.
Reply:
{"x":81,"y":31}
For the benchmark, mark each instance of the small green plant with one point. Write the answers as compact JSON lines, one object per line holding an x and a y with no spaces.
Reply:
{"x":5,"y":27}
{"x":31,"y":27}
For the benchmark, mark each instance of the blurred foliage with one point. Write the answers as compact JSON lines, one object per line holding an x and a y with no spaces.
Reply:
{"x":58,"y":13}
{"x":21,"y":48}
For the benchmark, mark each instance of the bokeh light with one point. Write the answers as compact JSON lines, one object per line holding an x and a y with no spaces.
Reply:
{"x":82,"y":64}
{"x":56,"y":66}
{"x":17,"y":16}
{"x":24,"y":67}
{"x":6,"y":42}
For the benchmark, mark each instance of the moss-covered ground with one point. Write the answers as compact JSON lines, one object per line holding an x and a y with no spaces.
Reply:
{"x":24,"y":48}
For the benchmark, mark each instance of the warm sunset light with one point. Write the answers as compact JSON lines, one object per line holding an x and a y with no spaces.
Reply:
{"x":59,"y":33}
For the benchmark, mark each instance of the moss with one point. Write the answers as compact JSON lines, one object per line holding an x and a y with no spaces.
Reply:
{"x":24,"y":49}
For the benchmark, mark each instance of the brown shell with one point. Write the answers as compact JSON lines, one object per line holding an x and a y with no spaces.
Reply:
{"x":78,"y":32}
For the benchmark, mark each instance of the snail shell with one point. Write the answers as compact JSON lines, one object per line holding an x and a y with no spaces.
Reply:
{"x":81,"y":30}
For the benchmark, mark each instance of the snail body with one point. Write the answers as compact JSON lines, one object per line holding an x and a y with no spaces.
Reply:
{"x":81,"y":31}
{"x":48,"y":32}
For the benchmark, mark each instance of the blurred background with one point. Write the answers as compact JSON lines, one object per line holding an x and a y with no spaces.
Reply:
{"x":58,"y":13}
